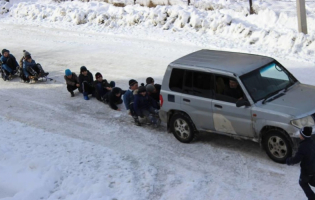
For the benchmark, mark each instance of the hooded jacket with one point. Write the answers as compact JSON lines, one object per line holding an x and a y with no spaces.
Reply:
{"x":305,"y":155}
{"x":143,"y":103}
{"x":9,"y":61}
{"x":88,"y":78}
{"x":112,"y":99}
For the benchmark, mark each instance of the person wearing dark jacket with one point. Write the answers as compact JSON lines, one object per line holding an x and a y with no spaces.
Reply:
{"x":305,"y":155}
{"x":113,"y":98}
{"x":233,"y":90}
{"x":86,"y":82}
{"x":153,"y":90}
{"x":102,"y":86}
{"x":144,"y":105}
{"x":129,"y":99}
{"x":32,"y":70}
{"x":72,"y":81}
{"x":9,"y":64}
{"x":24,"y":75}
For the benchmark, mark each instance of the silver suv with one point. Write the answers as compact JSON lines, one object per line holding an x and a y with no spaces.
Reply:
{"x":241,"y":95}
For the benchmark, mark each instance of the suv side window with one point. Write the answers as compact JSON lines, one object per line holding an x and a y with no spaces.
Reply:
{"x":227,"y":89}
{"x":188,"y":82}
{"x":192,"y":82}
{"x":176,"y":80}
{"x":203,"y":84}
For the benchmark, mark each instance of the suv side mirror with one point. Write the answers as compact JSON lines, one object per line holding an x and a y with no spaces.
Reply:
{"x":242,"y":102}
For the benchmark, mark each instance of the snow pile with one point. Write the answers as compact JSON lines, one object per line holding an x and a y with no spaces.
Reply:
{"x":237,"y":24}
{"x":4,"y":7}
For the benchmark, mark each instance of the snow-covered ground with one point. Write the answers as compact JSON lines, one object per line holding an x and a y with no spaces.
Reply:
{"x":53,"y":146}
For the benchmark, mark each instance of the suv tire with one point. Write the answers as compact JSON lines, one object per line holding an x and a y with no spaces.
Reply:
{"x":182,"y":127}
{"x":277,"y":146}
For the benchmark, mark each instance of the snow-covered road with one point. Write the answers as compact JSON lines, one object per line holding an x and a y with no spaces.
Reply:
{"x":53,"y":146}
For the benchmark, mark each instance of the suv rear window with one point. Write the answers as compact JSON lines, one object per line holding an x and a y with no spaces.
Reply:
{"x":192,"y":82}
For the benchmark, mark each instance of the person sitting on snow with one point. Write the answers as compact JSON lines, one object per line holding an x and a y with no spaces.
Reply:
{"x":72,"y":81}
{"x":23,"y":73}
{"x":9,"y":64}
{"x":144,"y":105}
{"x":31,"y":69}
{"x":129,"y":99}
{"x":102,"y":86}
{"x":86,"y":82}
{"x":113,"y":98}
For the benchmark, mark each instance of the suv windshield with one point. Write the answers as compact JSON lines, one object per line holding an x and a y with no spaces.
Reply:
{"x":266,"y":81}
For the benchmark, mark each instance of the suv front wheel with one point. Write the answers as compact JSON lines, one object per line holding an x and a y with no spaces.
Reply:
{"x":277,"y":146}
{"x":182,"y":127}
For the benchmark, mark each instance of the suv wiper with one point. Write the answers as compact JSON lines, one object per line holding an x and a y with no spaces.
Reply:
{"x":289,"y":85}
{"x":270,"y":95}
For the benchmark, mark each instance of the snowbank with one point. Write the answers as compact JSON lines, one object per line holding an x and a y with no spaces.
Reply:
{"x":266,"y":28}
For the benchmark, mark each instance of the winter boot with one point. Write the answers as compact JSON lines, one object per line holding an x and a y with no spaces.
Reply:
{"x":137,"y":122}
{"x":72,"y":94}
{"x":157,"y":123}
{"x":85,"y":96}
{"x":152,"y":119}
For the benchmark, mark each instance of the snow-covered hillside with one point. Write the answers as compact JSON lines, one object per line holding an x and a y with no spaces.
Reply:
{"x":53,"y":146}
{"x":273,"y":29}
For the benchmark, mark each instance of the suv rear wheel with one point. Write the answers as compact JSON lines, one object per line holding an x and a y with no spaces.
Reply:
{"x":182,"y":127}
{"x":277,"y":146}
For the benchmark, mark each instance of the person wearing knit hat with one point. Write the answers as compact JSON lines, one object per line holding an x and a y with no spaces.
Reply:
{"x":25,"y":54}
{"x":132,"y":82}
{"x":113,"y":98}
{"x":153,"y":90}
{"x":72,"y":82}
{"x":9,"y":64}
{"x":306,"y":157}
{"x":31,"y":69}
{"x":142,"y":89}
{"x":102,"y":86}
{"x":86,"y":82}
{"x":24,"y":73}
{"x":145,"y":105}
{"x":128,"y":100}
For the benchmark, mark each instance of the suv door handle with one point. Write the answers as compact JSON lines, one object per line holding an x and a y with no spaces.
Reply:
{"x":187,"y":100}
{"x":217,"y":106}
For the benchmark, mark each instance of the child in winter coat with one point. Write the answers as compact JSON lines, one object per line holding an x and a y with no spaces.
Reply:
{"x":72,"y":82}
{"x":31,"y":69}
{"x":113,"y":98}
{"x":153,"y":90}
{"x":144,"y":105}
{"x":86,"y":82}
{"x":9,"y":64}
{"x":102,"y":86}
{"x":129,"y":99}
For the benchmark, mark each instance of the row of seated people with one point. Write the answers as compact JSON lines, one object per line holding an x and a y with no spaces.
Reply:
{"x":140,"y":101}
{"x":28,"y":69}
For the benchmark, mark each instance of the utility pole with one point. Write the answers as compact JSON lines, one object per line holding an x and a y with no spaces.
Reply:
{"x":251,"y":10}
{"x":301,"y":14}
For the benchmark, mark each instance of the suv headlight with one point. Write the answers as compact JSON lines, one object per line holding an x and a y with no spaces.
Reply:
{"x":305,"y":121}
